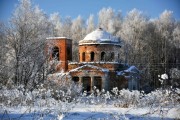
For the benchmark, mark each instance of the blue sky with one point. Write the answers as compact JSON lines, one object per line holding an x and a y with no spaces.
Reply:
{"x":73,"y":8}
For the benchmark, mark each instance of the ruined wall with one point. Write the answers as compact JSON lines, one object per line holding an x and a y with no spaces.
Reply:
{"x":109,"y":79}
{"x":64,"y":46}
{"x":92,"y":78}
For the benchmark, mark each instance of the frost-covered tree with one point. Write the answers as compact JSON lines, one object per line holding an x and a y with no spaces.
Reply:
{"x":164,"y":27}
{"x":109,"y":20}
{"x":133,"y":32}
{"x":115,"y":24}
{"x":4,"y":67}
{"x":57,"y":24}
{"x":176,"y":43}
{"x":105,"y":18}
{"x":27,"y":33}
{"x":176,"y":36}
{"x":78,"y":33}
{"x":66,"y":27}
{"x":90,"y":24}
{"x":160,"y":46}
{"x":78,"y":29}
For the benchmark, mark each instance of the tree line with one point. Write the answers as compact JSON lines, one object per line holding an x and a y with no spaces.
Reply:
{"x":152,"y":45}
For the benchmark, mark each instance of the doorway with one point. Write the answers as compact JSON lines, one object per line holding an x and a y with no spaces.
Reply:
{"x":86,"y":84}
{"x":98,"y":82}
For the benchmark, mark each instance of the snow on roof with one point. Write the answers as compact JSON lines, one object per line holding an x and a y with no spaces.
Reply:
{"x":54,"y":38}
{"x":99,"y":36}
{"x":120,"y":73}
{"x":91,"y":66}
{"x":132,"y":69}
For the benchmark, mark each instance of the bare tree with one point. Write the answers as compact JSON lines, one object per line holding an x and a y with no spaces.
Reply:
{"x":78,"y":33}
{"x":4,"y":68}
{"x":66,"y":30}
{"x":90,"y":24}
{"x":109,"y":20}
{"x":57,"y":24}
{"x":26,"y":37}
{"x":133,"y":32}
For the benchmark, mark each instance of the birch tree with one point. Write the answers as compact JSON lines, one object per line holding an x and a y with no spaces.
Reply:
{"x":90,"y":24}
{"x":28,"y":30}
{"x":105,"y":18}
{"x":133,"y":31}
{"x":66,"y":27}
{"x":4,"y":66}
{"x":164,"y":28}
{"x":57,"y":24}
{"x":109,"y":20}
{"x":176,"y":36}
{"x":78,"y":33}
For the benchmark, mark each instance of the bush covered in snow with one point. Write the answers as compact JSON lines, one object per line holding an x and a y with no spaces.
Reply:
{"x":125,"y":98}
{"x":47,"y":98}
{"x":66,"y":90}
{"x":60,"y":100}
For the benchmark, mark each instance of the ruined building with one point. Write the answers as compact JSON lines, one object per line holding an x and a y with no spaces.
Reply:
{"x":99,"y":61}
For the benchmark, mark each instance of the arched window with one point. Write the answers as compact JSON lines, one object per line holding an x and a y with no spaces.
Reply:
{"x":103,"y":55}
{"x":83,"y":56}
{"x":112,"y":56}
{"x":92,"y":56}
{"x":55,"y":53}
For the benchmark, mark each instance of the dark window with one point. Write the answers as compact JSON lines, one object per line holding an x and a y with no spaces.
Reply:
{"x":69,"y":55}
{"x":75,"y":79}
{"x":92,"y":56}
{"x":112,"y":56}
{"x":103,"y":55}
{"x":98,"y":82}
{"x":55,"y":53}
{"x":83,"y":56}
{"x":86,"y":84}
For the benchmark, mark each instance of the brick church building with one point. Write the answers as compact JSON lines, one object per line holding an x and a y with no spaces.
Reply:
{"x":99,"y":61}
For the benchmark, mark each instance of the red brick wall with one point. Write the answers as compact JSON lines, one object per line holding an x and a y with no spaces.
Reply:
{"x":97,"y":49}
{"x":63,"y":44}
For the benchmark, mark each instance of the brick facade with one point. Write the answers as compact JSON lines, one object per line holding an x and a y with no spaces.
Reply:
{"x":99,"y":62}
{"x":96,"y":51}
{"x":63,"y":52}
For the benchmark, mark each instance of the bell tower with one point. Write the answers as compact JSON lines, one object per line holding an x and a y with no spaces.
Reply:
{"x":60,"y":52}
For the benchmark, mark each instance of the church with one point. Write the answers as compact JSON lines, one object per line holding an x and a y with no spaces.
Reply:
{"x":99,"y":62}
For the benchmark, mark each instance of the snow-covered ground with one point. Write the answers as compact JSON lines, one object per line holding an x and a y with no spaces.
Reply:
{"x":92,"y":112}
{"x":41,"y":104}
{"x":114,"y":113}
